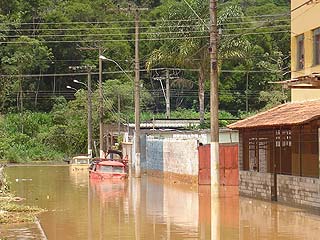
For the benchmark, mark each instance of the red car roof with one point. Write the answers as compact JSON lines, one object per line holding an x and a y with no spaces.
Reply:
{"x":111,"y":163}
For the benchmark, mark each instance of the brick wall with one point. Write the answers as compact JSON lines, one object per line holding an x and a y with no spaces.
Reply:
{"x":255,"y":184}
{"x":298,"y":190}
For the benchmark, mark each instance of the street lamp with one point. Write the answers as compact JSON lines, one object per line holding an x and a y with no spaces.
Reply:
{"x":89,"y":112}
{"x":69,"y":87}
{"x":103,"y":58}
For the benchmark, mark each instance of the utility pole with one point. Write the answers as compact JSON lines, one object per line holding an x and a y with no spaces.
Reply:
{"x":101,"y":130}
{"x":89,"y":114}
{"x":167,"y":94}
{"x":214,"y":100}
{"x":137,"y":95}
{"x":136,"y":11}
{"x":214,"y":124}
{"x":89,"y":103}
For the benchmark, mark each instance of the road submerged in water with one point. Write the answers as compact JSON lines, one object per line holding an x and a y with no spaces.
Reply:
{"x":147,"y":208}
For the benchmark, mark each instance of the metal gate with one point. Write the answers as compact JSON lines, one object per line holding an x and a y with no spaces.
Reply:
{"x":228,"y":161}
{"x":204,"y":165}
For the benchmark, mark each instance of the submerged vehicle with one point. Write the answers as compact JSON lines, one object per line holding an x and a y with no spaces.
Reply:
{"x":80,"y":162}
{"x":113,"y":166}
{"x":107,"y":169}
{"x":115,"y":155}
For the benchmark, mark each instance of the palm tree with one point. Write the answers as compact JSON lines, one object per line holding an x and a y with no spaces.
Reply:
{"x":187,"y":40}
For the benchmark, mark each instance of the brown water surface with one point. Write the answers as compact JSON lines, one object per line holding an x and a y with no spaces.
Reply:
{"x":148,"y":208}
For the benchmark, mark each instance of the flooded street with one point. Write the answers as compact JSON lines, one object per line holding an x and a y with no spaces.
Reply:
{"x":148,"y":208}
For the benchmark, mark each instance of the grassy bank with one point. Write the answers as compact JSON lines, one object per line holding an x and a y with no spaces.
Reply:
{"x":11,"y":208}
{"x":12,"y":211}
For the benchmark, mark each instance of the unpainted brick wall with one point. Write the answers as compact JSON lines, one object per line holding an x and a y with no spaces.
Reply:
{"x":255,"y":184}
{"x":298,"y":190}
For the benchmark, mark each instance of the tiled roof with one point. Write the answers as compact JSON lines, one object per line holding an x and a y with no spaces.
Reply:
{"x":283,"y":115}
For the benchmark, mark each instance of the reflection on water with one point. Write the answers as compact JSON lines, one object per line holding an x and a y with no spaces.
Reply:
{"x":148,"y":208}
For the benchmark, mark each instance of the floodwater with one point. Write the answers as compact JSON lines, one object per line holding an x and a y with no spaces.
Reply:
{"x":148,"y":208}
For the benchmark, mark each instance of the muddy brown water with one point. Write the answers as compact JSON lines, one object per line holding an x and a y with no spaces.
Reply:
{"x":148,"y":208}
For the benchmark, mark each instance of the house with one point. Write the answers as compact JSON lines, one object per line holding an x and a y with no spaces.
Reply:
{"x":305,"y":51}
{"x":279,"y":149}
{"x":279,"y":153}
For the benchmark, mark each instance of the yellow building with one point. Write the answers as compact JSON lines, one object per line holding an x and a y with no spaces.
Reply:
{"x":305,"y":50}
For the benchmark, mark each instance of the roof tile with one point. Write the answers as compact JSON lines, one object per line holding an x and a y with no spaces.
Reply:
{"x":282,"y":115}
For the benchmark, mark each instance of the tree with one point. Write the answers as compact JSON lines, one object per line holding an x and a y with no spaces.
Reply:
{"x":24,"y":58}
{"x":191,"y":47}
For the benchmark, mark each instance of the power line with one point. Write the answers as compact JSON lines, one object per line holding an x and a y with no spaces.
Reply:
{"x":145,"y":39}
{"x":127,"y":71}
{"x":142,"y":27}
{"x":131,"y":34}
{"x":142,"y":21}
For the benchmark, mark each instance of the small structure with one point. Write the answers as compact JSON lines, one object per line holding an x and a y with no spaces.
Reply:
{"x":173,"y":154}
{"x":279,"y":153}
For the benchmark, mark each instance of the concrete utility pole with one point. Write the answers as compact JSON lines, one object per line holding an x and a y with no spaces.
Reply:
{"x":101,"y":130}
{"x":137,"y":95}
{"x":214,"y":100}
{"x":89,"y":113}
{"x":168,"y":110}
{"x":136,"y":11}
{"x":89,"y":103}
{"x":166,"y":93}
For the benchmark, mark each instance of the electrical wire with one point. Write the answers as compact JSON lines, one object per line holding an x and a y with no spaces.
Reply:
{"x":141,"y":27}
{"x":127,"y":71}
{"x":132,"y":21}
{"x":143,"y":39}
{"x":132,"y":34}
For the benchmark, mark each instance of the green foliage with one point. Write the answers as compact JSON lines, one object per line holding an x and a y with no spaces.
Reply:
{"x":21,"y":138}
{"x":44,"y":120}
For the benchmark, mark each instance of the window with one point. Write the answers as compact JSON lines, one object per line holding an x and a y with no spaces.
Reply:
{"x":118,"y":169}
{"x":106,"y":169}
{"x":300,"y":52}
{"x":316,"y":46}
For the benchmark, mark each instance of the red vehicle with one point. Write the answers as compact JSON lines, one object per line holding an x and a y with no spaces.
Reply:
{"x":107,"y":169}
{"x":115,"y":155}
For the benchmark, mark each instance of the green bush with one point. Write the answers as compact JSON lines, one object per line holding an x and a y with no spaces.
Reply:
{"x":22,"y":138}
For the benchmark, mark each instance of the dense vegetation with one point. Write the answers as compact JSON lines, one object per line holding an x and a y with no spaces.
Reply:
{"x":40,"y":39}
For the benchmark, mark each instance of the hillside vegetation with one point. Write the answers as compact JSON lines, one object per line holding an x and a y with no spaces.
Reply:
{"x":41,"y":119}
